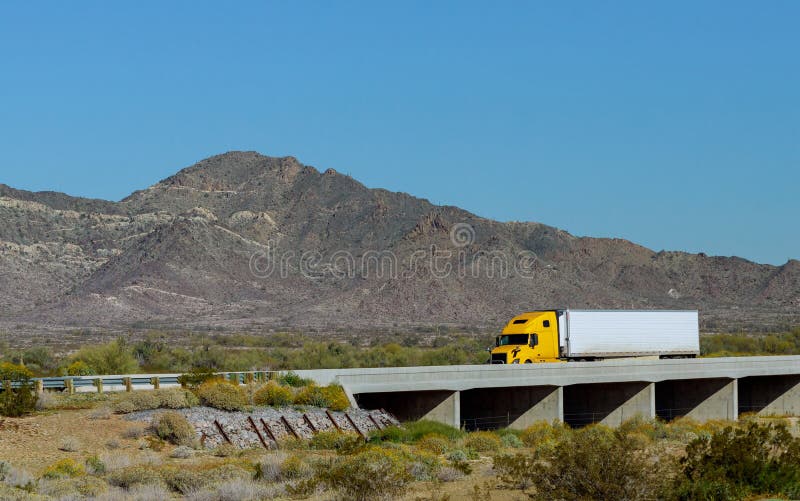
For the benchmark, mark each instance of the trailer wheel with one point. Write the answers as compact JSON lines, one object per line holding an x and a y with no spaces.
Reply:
{"x":528,"y":362}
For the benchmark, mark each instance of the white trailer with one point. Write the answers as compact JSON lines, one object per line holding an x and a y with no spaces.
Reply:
{"x":595,"y":334}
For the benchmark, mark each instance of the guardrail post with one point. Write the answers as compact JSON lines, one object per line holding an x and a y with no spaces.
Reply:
{"x":70,"y":386}
{"x":128,"y":384}
{"x":248,"y":378}
{"x":156,"y":382}
{"x":7,"y":386}
{"x":234,"y":378}
{"x":99,"y":384}
{"x":39,"y":386}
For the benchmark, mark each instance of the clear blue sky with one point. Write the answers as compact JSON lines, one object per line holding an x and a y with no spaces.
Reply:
{"x":673,"y":124}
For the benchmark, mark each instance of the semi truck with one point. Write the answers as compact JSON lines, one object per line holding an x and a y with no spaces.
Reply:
{"x":587,"y":335}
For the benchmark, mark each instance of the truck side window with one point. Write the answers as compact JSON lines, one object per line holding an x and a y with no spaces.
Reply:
{"x":534,"y":339}
{"x":546,"y":323}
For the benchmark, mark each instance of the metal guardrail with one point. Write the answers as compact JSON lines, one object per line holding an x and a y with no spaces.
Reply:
{"x":122,"y":382}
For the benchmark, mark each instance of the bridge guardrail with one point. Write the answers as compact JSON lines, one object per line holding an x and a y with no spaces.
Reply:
{"x":133,"y":381}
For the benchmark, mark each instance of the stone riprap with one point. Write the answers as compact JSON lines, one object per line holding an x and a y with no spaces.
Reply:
{"x":239,"y":431}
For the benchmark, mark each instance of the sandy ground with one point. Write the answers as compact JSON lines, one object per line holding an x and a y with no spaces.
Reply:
{"x":32,"y":442}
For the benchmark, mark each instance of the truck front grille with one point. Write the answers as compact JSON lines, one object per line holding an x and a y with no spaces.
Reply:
{"x":499,"y":358}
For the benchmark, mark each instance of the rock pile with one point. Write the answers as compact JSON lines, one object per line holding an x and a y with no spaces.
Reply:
{"x":266,"y":427}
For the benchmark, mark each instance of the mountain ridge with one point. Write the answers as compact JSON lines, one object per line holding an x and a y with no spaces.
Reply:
{"x":180,"y":252}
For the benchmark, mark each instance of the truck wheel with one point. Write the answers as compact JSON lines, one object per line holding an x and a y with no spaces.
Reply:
{"x":528,"y":362}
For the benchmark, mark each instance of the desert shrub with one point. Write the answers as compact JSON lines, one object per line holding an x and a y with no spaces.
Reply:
{"x":143,"y":492}
{"x":239,"y":490}
{"x":17,"y":401}
{"x":336,"y":441}
{"x":175,"y":398}
{"x":511,"y":441}
{"x":516,"y":471}
{"x":653,"y":429}
{"x":312,"y":395}
{"x":734,"y":463}
{"x":5,"y":467}
{"x":113,"y":444}
{"x":95,"y":465}
{"x":115,"y":357}
{"x":222,"y":395}
{"x":198,"y":376}
{"x":459,"y":460}
{"x":69,"y":444}
{"x":184,"y":480}
{"x":100,"y":413}
{"x":273,"y":394}
{"x":292,"y":379}
{"x":228,"y":471}
{"x":543,"y":437}
{"x":72,"y":488}
{"x":10,"y":493}
{"x":293,"y":444}
{"x":294,"y":467}
{"x":595,"y":463}
{"x":18,"y":477}
{"x":79,"y":368}
{"x":434,"y":443}
{"x":268,"y":469}
{"x":134,"y":475}
{"x":374,"y":473}
{"x":114,"y":461}
{"x":414,"y":430}
{"x":175,"y":428}
{"x":449,"y":474}
{"x":134,"y":432}
{"x":128,"y":402}
{"x":336,"y":397}
{"x":64,"y":468}
{"x":46,"y":400}
{"x":482,"y":441}
{"x":181,"y":452}
{"x":421,"y":465}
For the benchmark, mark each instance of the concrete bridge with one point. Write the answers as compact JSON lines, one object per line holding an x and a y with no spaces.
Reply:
{"x":578,"y":393}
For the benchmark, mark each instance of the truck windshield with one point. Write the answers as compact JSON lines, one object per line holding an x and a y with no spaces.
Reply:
{"x":512,"y":339}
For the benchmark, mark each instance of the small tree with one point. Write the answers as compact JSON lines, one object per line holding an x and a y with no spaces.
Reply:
{"x":20,"y":400}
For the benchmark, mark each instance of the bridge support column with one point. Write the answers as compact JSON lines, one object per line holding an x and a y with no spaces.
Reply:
{"x":448,"y":411}
{"x":770,"y":395}
{"x":550,"y":407}
{"x":608,"y":403}
{"x":698,"y":399}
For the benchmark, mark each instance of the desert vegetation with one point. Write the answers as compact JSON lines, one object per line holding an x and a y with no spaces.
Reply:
{"x":168,"y":352}
{"x":422,"y":460}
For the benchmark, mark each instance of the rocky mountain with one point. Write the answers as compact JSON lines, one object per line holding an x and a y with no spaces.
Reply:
{"x":241,"y":240}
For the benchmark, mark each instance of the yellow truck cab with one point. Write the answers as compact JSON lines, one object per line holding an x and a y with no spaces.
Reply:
{"x":528,"y":338}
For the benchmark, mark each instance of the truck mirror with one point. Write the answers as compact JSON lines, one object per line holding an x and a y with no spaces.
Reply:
{"x":497,"y":341}
{"x":534,"y":339}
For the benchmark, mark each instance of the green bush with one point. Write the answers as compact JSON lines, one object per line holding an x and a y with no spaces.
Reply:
{"x":273,"y":394}
{"x":292,"y":379}
{"x":183,"y":480}
{"x":434,"y":443}
{"x":64,"y":468}
{"x":734,"y":463}
{"x":335,"y":441}
{"x":482,"y":441}
{"x":115,"y":357}
{"x":222,"y":395}
{"x":128,"y":402}
{"x":175,"y":428}
{"x":79,"y":368}
{"x":17,"y":401}
{"x":332,"y":397}
{"x":198,"y":376}
{"x":591,"y":463}
{"x":374,"y":473}
{"x":135,"y":475}
{"x":412,"y":431}
{"x":175,"y":398}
